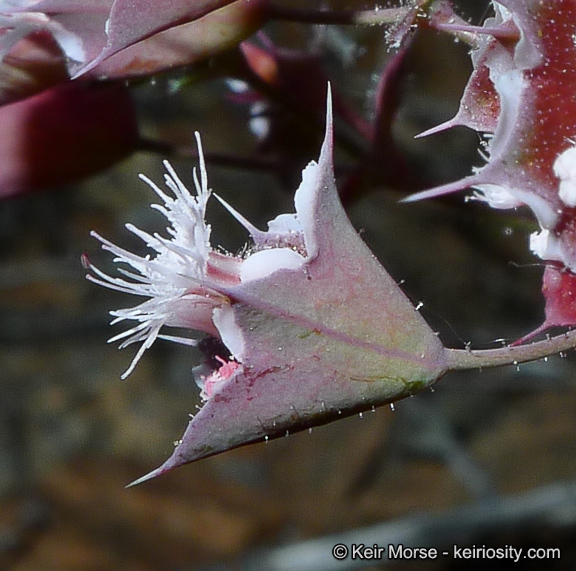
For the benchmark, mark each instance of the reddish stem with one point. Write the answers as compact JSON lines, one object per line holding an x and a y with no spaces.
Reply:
{"x":476,"y":359}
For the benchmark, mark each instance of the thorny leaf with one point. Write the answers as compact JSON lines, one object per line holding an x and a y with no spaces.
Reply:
{"x":522,"y":89}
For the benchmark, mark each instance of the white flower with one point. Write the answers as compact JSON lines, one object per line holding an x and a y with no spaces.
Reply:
{"x":186,"y":281}
{"x":176,"y":278}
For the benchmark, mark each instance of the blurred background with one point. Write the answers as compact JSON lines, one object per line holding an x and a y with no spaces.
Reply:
{"x":487,"y":458}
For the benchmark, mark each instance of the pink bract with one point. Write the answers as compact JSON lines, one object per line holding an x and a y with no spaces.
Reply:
{"x":313,"y":330}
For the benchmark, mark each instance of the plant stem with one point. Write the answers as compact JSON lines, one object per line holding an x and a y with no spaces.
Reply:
{"x":473,"y":359}
{"x":375,"y":17}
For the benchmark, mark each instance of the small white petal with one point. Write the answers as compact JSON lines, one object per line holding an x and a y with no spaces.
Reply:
{"x":304,"y":202}
{"x":540,"y":243}
{"x":565,"y":170}
{"x":497,"y":196}
{"x":547,"y":246}
{"x":230,"y":332}
{"x":261,"y":264}
{"x":285,"y":223}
